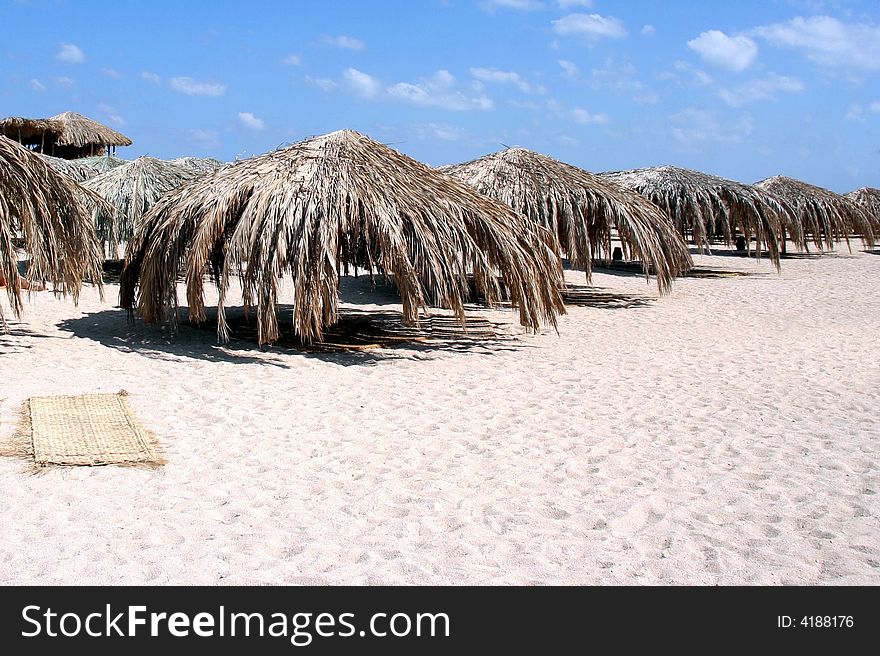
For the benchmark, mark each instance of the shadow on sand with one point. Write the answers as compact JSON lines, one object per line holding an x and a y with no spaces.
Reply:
{"x":359,"y":338}
{"x":595,"y":297}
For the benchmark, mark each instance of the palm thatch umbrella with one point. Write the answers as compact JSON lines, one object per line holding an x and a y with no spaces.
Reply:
{"x":83,"y":136}
{"x":199,"y":164}
{"x":580,"y":209}
{"x":131,"y":190}
{"x":706,"y":205}
{"x":43,"y":208}
{"x":868,"y":199}
{"x":101,"y":163}
{"x":73,"y":169}
{"x":826,"y":216}
{"x":320,"y":206}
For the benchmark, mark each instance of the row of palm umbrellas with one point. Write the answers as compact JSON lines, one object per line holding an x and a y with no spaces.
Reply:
{"x":342,"y":200}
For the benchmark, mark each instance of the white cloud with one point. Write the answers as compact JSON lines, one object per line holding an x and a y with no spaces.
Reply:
{"x":191,"y":87}
{"x":700,"y":77}
{"x":695,"y":126}
{"x":248,"y":120}
{"x":363,"y":85}
{"x":735,"y":53}
{"x":292,"y":60}
{"x":440,"y":91}
{"x":64,"y":82}
{"x":569,"y":68}
{"x":442,"y":131}
{"x":111,"y":72}
{"x":828,"y":41}
{"x":588,"y":118}
{"x":36,"y":85}
{"x":592,"y":26}
{"x":70,"y":54}
{"x":648,"y":30}
{"x":346,"y":42}
{"x":150,"y":77}
{"x":207,"y":139}
{"x":323,"y":83}
{"x":764,"y":89}
{"x":857,"y":112}
{"x":501,"y":77}
{"x":519,"y":5}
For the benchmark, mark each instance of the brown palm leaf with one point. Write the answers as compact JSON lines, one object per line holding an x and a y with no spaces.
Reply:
{"x":43,"y":209}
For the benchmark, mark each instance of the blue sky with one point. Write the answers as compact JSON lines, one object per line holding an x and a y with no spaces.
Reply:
{"x":744,"y":90}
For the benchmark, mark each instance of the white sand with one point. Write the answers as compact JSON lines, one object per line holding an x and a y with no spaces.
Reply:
{"x":725,"y":434}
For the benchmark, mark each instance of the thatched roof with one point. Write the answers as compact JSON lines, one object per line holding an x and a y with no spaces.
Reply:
{"x":131,"y":190}
{"x":44,"y":208}
{"x":102,"y":163}
{"x":199,"y":164}
{"x":580,"y":209}
{"x":19,"y":127}
{"x":827,"y":216}
{"x":708,"y":205}
{"x":318,"y":207}
{"x":868,"y":199}
{"x":78,"y":130}
{"x":72,"y":168}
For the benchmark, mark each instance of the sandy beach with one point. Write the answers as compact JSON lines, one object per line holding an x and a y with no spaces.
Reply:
{"x":725,"y":434}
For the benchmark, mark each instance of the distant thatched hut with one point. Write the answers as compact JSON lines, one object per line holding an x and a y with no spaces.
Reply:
{"x":868,"y":199}
{"x":68,"y":135}
{"x":707,"y":206}
{"x":43,"y":210}
{"x":582,"y":210}
{"x":131,"y":190}
{"x":318,"y":207}
{"x":824,"y":215}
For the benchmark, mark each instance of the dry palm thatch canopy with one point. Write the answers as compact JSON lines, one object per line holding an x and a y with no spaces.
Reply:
{"x":707,"y":205}
{"x":826,"y":216}
{"x":44,"y":208}
{"x":132,"y":189}
{"x":73,"y":169}
{"x":868,"y":199}
{"x":316,"y":208}
{"x":68,"y":135}
{"x":199,"y":164}
{"x":101,"y":163}
{"x":581,"y":209}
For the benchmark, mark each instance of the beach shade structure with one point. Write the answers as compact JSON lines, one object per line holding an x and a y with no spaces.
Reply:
{"x":42,"y":211}
{"x":130,"y":190}
{"x":68,"y":135}
{"x":101,"y":163}
{"x":199,"y":164}
{"x":314,"y":210}
{"x":706,"y":206}
{"x":868,"y":199}
{"x":580,"y":209}
{"x":73,"y":169}
{"x":824,"y":216}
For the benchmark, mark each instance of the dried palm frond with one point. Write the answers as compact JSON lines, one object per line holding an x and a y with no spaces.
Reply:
{"x":825,"y":216}
{"x":131,"y":189}
{"x":101,"y":163}
{"x":868,"y":199}
{"x":320,"y":206}
{"x":580,"y":209}
{"x":199,"y":164}
{"x":72,"y":168}
{"x":707,"y":205}
{"x":43,"y":208}
{"x":78,"y":130}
